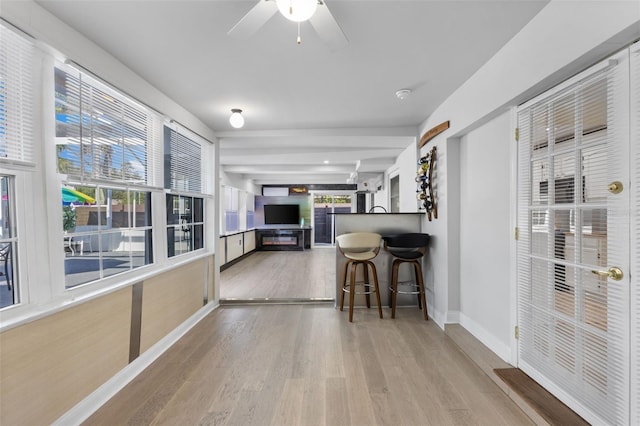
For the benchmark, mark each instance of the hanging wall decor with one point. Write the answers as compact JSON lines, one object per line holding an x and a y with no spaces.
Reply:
{"x":424,"y":178}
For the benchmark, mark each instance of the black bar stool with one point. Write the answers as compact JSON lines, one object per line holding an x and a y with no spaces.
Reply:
{"x":407,"y":248}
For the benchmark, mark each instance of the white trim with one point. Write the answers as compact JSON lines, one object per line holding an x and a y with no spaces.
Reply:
{"x":82,"y":410}
{"x":486,"y":338}
{"x":513,"y":246}
{"x":453,"y":317}
{"x":571,"y":81}
{"x":439,"y":317}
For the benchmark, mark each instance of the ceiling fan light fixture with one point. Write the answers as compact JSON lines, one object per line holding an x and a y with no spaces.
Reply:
{"x":297,"y":10}
{"x":236,"y":120}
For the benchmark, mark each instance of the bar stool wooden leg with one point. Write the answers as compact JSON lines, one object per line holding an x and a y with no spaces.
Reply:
{"x":422,"y":292}
{"x":417,"y":271}
{"x":367,"y":288}
{"x":352,"y":290}
{"x":344,"y":282}
{"x":376,"y":287}
{"x":394,"y":286}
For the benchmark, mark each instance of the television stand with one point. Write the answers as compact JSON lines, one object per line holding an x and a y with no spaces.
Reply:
{"x":285,"y":238}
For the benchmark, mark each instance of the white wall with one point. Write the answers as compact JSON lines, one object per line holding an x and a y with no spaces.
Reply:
{"x":407,"y":162}
{"x":564,"y":38}
{"x":485,"y":231}
{"x":242,"y":184}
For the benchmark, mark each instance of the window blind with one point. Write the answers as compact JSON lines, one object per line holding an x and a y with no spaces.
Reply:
{"x":573,"y":324}
{"x":17,"y":65}
{"x":103,"y":135}
{"x":183,"y":161}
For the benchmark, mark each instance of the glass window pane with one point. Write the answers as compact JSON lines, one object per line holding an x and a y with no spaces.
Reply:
{"x":564,"y":120}
{"x":139,"y":204}
{"x":198,"y":210}
{"x":198,"y":237}
{"x":8,"y":246}
{"x":564,"y":167}
{"x":173,"y":209}
{"x":81,"y":269}
{"x":186,"y":211}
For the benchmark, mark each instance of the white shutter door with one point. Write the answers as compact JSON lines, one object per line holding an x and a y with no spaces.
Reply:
{"x":574,"y":323}
{"x":635,"y":232}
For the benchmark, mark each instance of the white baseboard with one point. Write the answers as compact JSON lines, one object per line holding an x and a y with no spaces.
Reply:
{"x":82,"y":410}
{"x":489,"y":340}
{"x":453,"y":317}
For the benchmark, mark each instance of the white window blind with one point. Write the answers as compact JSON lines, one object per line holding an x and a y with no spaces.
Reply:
{"x":574,"y":323}
{"x":102,"y":135}
{"x":183,"y":161}
{"x":17,"y":63}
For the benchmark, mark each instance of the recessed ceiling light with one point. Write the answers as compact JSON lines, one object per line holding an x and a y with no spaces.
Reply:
{"x":326,"y":161}
{"x":403,"y":94}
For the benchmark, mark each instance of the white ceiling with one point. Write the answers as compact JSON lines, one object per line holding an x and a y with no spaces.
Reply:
{"x":303,"y":104}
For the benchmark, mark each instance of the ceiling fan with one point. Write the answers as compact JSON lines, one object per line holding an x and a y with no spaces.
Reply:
{"x":315,"y":11}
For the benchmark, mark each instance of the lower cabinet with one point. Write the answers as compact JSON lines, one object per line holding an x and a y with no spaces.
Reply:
{"x":249,"y":241}
{"x":235,"y":245}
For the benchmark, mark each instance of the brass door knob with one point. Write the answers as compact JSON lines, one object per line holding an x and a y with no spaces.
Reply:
{"x":615,"y":187}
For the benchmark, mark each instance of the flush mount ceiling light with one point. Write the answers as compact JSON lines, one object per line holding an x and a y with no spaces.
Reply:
{"x":297,"y":10}
{"x":403,"y":94}
{"x":236,"y":120}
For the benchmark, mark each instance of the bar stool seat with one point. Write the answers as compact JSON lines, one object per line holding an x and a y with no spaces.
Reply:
{"x":407,"y":248}
{"x":359,"y":248}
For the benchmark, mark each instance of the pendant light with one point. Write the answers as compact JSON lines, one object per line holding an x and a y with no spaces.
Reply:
{"x":236,"y":120}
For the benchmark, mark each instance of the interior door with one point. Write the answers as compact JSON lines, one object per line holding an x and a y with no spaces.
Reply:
{"x":573,"y":246}
{"x":324,"y":207}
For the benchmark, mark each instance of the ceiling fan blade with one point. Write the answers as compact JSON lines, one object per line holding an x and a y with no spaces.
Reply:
{"x":254,"y":19}
{"x":327,"y":28}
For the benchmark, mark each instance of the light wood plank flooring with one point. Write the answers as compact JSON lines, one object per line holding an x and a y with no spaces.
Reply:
{"x":281,"y":275}
{"x":307,"y":365}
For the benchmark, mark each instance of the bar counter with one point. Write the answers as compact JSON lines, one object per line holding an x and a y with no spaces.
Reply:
{"x":384,"y":224}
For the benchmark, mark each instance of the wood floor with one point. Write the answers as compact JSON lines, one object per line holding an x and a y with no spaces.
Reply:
{"x":308,"y":274}
{"x":307,"y":365}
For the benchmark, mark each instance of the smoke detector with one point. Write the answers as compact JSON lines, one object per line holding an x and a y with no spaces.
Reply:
{"x":403,"y":94}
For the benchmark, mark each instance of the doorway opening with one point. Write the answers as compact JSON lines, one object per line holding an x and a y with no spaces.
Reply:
{"x":325,"y":206}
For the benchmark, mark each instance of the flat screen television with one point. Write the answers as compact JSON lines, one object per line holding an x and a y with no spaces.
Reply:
{"x":281,"y":214}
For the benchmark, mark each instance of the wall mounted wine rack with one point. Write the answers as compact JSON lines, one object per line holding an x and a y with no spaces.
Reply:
{"x":424,"y":179}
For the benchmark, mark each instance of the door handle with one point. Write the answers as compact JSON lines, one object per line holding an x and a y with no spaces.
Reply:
{"x":615,"y":187}
{"x":614,"y":273}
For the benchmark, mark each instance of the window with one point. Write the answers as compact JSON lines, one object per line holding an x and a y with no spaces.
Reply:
{"x":17,"y":105}
{"x":101,"y":135}
{"x":8,"y":245}
{"x":231,"y":222}
{"x":107,"y":231}
{"x":17,"y":57}
{"x":250,"y":210}
{"x":185,"y":224}
{"x":183,"y":176}
{"x":107,"y":148}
